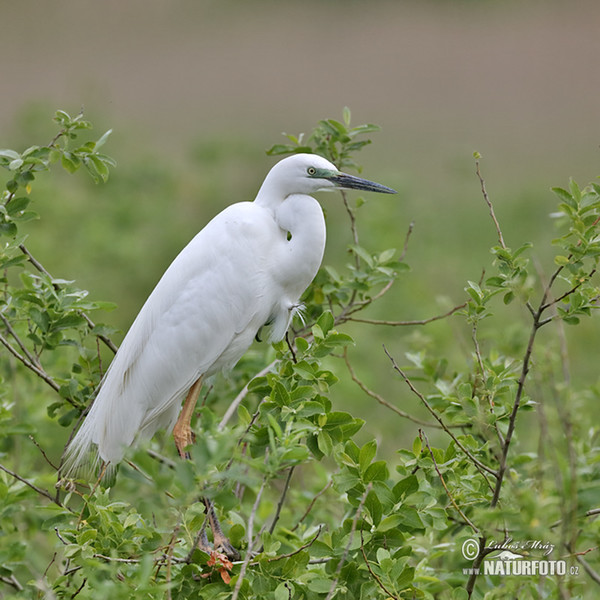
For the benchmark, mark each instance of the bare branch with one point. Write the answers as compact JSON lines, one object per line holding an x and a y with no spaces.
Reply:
{"x":312,"y":503}
{"x":243,"y":393}
{"x":34,"y":487}
{"x":409,"y":323}
{"x":281,"y":499}
{"x":490,"y":206}
{"x":411,"y":226}
{"x":373,"y":575}
{"x":466,"y":519}
{"x":13,"y":582}
{"x":38,"y":265}
{"x":478,"y":464}
{"x":298,"y":550}
{"x":381,"y":399}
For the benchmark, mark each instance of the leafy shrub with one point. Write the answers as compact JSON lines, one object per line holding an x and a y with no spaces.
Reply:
{"x":512,"y":463}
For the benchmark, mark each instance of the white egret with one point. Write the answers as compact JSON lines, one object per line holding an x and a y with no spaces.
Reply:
{"x":246,"y":269}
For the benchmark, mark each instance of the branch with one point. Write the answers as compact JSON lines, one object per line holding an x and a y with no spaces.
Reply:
{"x":490,"y":206}
{"x":478,"y":464}
{"x":281,"y":500}
{"x":12,"y":581}
{"x":466,"y":519}
{"x":38,"y":265}
{"x":382,"y":400}
{"x":408,"y":323}
{"x":238,"y":399}
{"x":304,"y":547}
{"x":38,"y":370}
{"x":312,"y":503}
{"x":34,"y":487}
{"x":379,"y":582}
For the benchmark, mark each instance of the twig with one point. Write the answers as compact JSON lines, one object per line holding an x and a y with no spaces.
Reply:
{"x":312,"y":503}
{"x":33,"y":487}
{"x":303,"y":547}
{"x":382,"y":400}
{"x":20,"y":343}
{"x":13,"y":582}
{"x":490,"y":206}
{"x":79,"y":588}
{"x":478,"y":464}
{"x":379,"y":582}
{"x":281,"y":500}
{"x":350,"y":540}
{"x":238,"y":399}
{"x":169,"y":559}
{"x":409,"y":323}
{"x":38,"y":265}
{"x":43,"y":453}
{"x":466,"y":519}
{"x":411,"y":226}
{"x":33,"y":367}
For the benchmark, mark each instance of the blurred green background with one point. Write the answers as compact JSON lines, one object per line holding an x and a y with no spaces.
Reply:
{"x":196,"y":90}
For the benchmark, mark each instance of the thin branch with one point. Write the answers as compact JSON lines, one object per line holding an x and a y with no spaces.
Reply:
{"x":568,"y":292}
{"x":34,"y":487}
{"x":411,"y":226}
{"x":43,"y":453}
{"x":409,"y":323}
{"x":281,"y":499}
{"x":466,"y":519}
{"x":303,"y":547}
{"x":373,"y":575}
{"x":350,"y":540}
{"x":312,"y":503}
{"x":33,"y":367}
{"x":478,"y":464}
{"x":38,"y":265}
{"x":13,"y":582}
{"x":243,"y":393}
{"x":382,"y":400}
{"x":490,"y":206}
{"x":20,"y":343}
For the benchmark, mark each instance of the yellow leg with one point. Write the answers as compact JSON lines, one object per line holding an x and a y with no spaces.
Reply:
{"x":182,"y":432}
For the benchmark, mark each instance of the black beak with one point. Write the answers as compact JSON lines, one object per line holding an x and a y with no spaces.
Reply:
{"x":344,"y":181}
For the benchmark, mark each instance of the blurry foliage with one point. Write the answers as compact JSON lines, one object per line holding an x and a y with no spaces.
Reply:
{"x":316,"y":513}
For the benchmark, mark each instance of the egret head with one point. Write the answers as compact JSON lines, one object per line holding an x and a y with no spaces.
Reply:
{"x":308,"y":173}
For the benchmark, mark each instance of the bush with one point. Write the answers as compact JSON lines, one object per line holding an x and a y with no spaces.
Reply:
{"x":503,"y":472}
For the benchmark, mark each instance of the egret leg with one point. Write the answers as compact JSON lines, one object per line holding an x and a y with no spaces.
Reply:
{"x":220,"y":541}
{"x":184,"y":437}
{"x":182,"y":432}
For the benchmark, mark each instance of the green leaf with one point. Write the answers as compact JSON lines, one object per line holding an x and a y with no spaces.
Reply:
{"x":367,"y":453}
{"x":70,"y":162}
{"x":9,"y":154}
{"x":417,"y":446}
{"x":374,"y":507}
{"x":376,"y":471}
{"x":17,"y":205}
{"x":320,"y":585}
{"x":326,"y":322}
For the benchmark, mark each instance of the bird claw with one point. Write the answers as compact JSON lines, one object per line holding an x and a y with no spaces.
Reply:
{"x":223,"y":546}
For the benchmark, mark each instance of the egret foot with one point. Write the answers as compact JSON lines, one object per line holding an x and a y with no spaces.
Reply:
{"x":184,"y":437}
{"x":220,"y":541}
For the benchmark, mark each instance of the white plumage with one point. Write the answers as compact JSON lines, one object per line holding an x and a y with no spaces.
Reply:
{"x":248,"y":267}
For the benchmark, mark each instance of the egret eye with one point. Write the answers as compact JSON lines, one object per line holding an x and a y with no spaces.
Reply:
{"x":311,"y":170}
